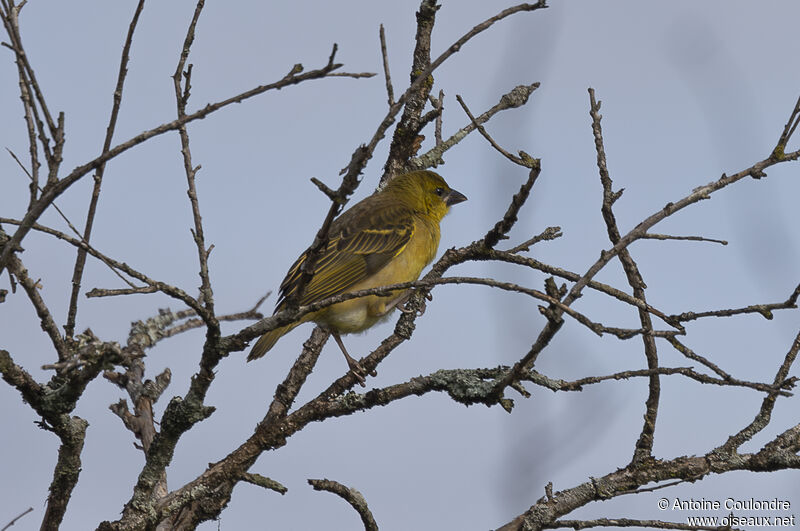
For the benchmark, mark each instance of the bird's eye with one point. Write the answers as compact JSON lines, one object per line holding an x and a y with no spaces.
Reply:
{"x":439,"y":192}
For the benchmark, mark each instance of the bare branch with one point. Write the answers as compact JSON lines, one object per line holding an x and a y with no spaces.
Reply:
{"x":386,"y":75}
{"x":103,"y":292}
{"x":181,"y":99}
{"x":788,"y":131}
{"x":651,"y":236}
{"x":765,"y":413}
{"x":60,"y":213}
{"x":31,"y":287}
{"x":14,"y":520}
{"x":550,"y":233}
{"x":263,"y":481}
{"x":503,"y":226}
{"x":80,"y":260}
{"x":58,"y":187}
{"x":156,"y":285}
{"x":351,"y":496}
{"x":439,"y":107}
{"x":516,"y":160}
{"x":517,"y":97}
{"x":764,"y":309}
{"x":644,"y":445}
{"x":628,"y":522}
{"x":692,"y":355}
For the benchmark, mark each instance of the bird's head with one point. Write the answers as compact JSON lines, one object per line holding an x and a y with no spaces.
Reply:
{"x":427,"y":191}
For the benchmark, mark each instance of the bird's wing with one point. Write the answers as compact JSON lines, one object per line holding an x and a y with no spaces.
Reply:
{"x":362,"y":241}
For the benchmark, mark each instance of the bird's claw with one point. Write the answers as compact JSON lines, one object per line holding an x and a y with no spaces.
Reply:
{"x":402,"y":307}
{"x":360,"y":372}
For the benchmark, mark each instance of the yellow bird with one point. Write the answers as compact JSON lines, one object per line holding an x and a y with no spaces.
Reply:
{"x":387,"y":238}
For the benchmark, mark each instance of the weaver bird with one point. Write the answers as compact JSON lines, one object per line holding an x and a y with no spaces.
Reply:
{"x":387,"y":238}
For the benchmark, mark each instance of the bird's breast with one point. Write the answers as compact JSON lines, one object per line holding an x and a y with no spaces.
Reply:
{"x":357,"y":315}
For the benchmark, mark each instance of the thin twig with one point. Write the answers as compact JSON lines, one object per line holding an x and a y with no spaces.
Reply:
{"x":439,"y":117}
{"x":502,"y":227}
{"x":487,"y":136}
{"x":386,"y":75}
{"x":14,"y":520}
{"x":763,"y":416}
{"x":32,"y":287}
{"x":80,"y":260}
{"x":181,"y":98}
{"x":788,"y":130}
{"x":63,"y":216}
{"x":644,"y":445}
{"x":517,"y":97}
{"x":630,"y":522}
{"x":651,"y":236}
{"x":692,"y":355}
{"x":764,"y":309}
{"x":351,"y":496}
{"x":293,"y":77}
{"x":102,"y":292}
{"x":550,"y":233}
{"x":163,"y":287}
{"x":265,"y":482}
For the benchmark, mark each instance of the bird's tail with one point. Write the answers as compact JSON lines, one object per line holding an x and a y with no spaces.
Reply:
{"x":268,"y":340}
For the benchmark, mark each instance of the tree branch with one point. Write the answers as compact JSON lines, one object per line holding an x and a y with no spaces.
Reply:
{"x":351,"y":496}
{"x":80,"y":261}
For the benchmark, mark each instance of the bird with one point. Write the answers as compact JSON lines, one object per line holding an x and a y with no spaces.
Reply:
{"x":387,"y":238}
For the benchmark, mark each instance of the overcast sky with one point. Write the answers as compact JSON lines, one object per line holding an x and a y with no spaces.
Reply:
{"x":689,"y":89}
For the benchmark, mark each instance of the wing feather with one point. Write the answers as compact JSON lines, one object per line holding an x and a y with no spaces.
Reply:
{"x":362,"y":241}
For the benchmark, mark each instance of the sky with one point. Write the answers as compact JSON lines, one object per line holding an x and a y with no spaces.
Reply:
{"x":689,"y":90}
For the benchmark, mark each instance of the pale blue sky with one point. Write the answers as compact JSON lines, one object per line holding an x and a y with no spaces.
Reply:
{"x":690,"y":90}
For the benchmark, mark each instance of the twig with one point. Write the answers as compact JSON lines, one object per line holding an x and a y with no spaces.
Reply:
{"x":293,"y":77}
{"x":698,"y":194}
{"x":482,"y":131}
{"x":651,"y":236}
{"x":31,"y":287}
{"x":284,"y":317}
{"x":406,"y":139}
{"x":644,"y":446}
{"x":685,"y":371}
{"x":764,"y":414}
{"x":514,"y":258}
{"x":788,"y":130}
{"x":502,"y":227}
{"x":354,"y":75}
{"x":764,"y":309}
{"x":386,"y":75}
{"x":325,"y":189}
{"x":181,"y":99}
{"x":14,"y":520}
{"x":80,"y":260}
{"x":63,"y":216}
{"x":517,"y":97}
{"x":28,"y":79}
{"x":351,"y":496}
{"x":396,"y":161}
{"x":550,"y":233}
{"x":102,"y":292}
{"x":197,"y":323}
{"x":692,"y":355}
{"x":629,"y":522}
{"x":439,"y":117}
{"x":163,"y":287}
{"x":263,"y":481}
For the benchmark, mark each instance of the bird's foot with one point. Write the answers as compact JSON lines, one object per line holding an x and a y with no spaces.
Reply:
{"x":402,"y":304}
{"x":358,"y":371}
{"x":355,"y":367}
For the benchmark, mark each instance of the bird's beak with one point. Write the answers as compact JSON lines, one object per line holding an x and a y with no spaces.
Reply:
{"x":454,"y":197}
